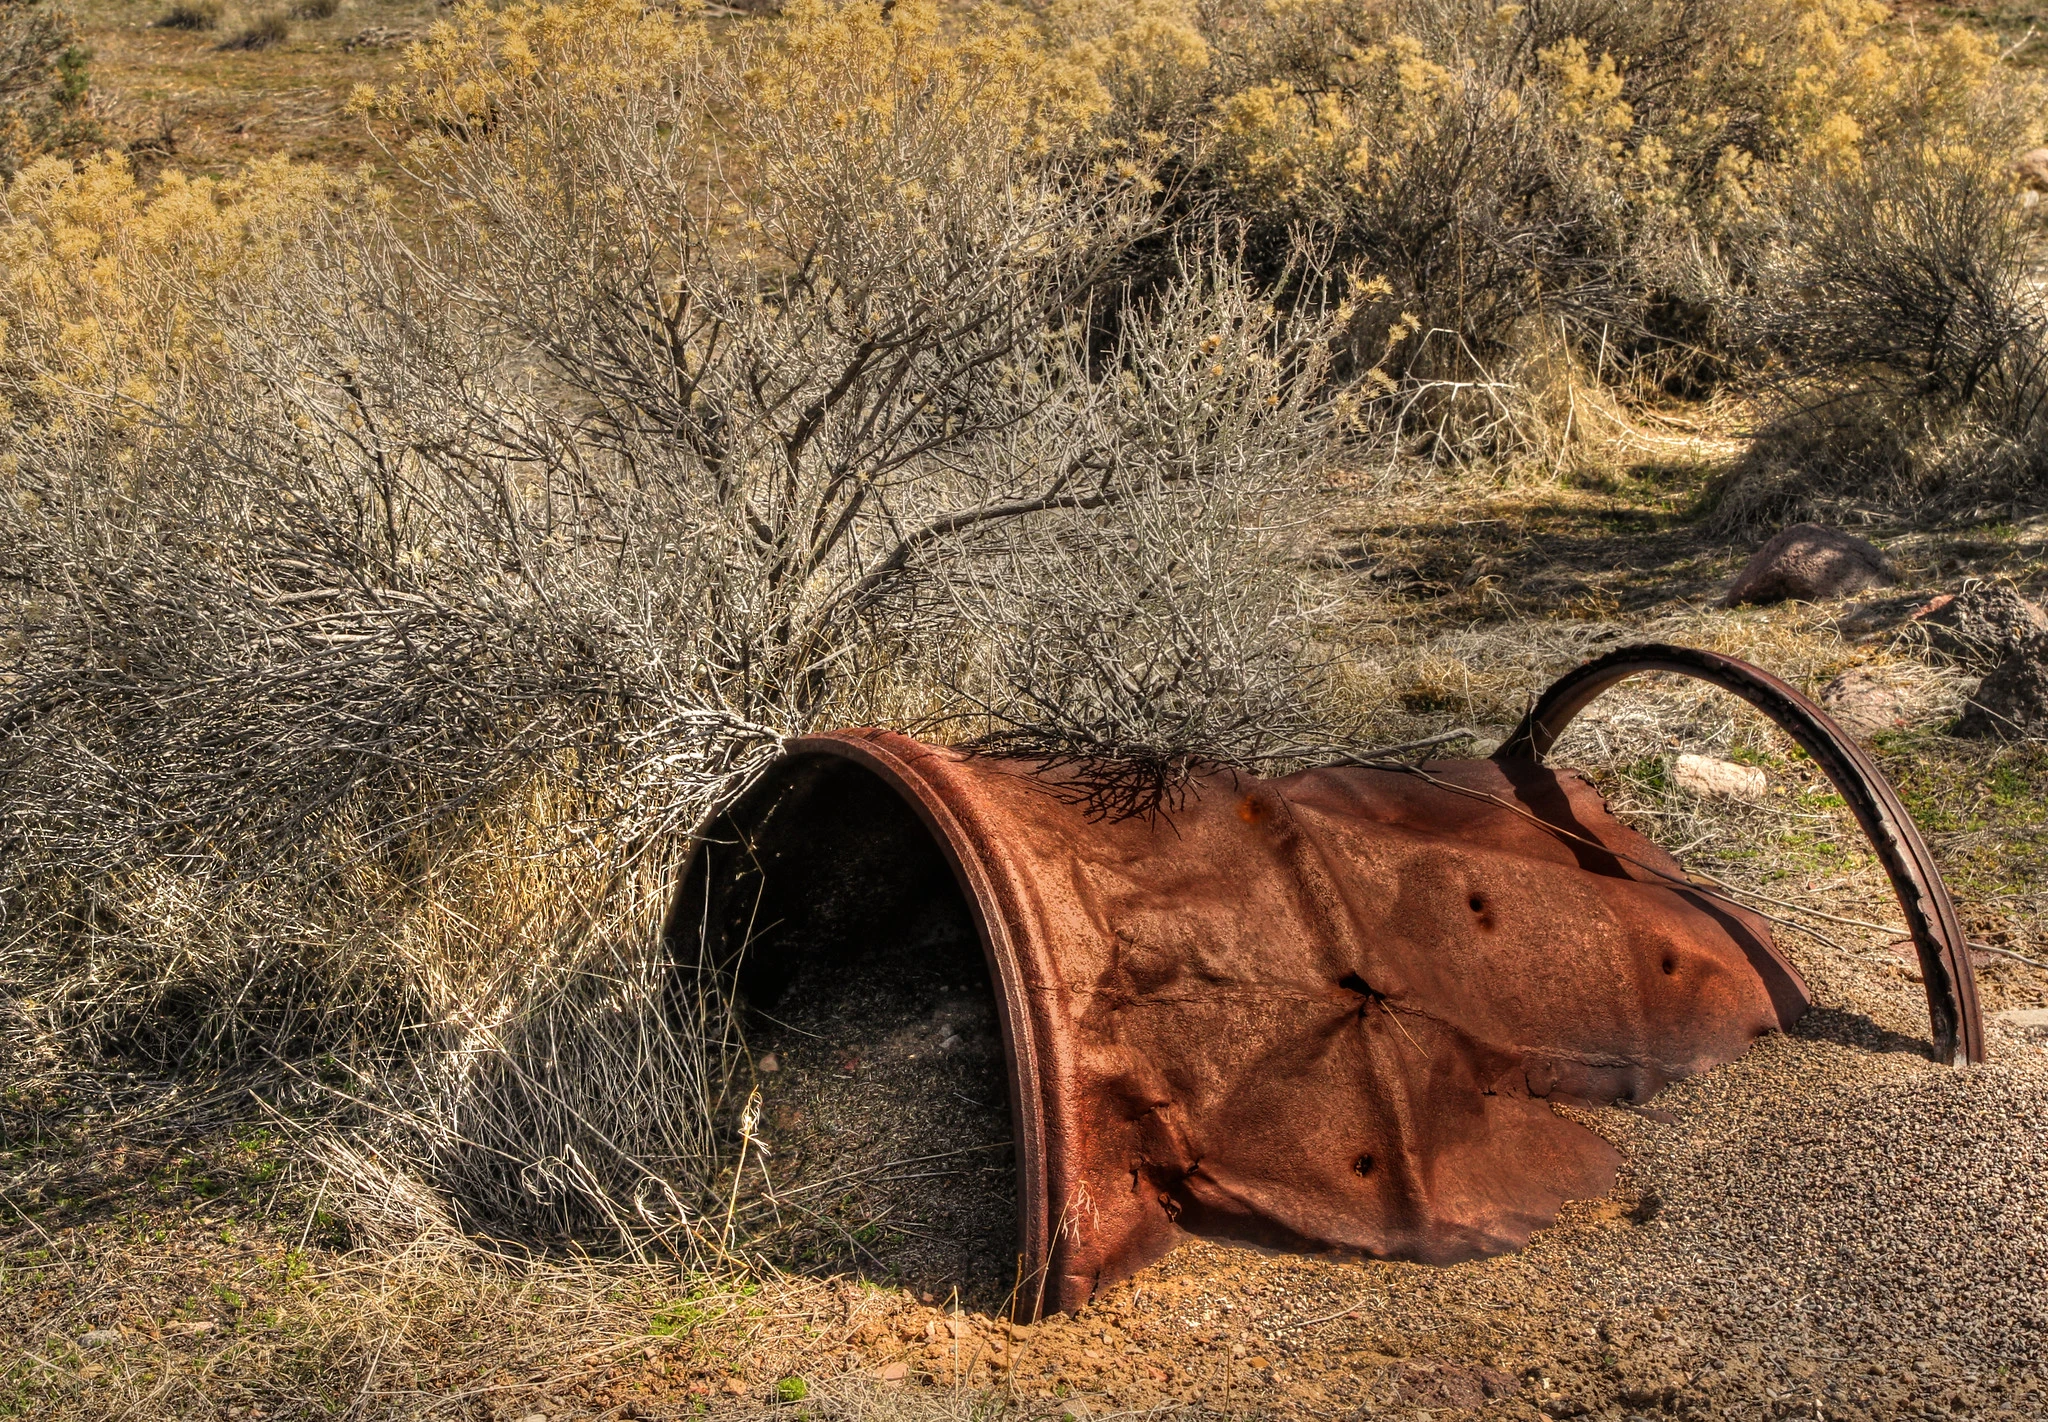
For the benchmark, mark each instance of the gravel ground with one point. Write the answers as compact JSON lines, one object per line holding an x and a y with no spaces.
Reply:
{"x":887,"y":1121}
{"x":1826,"y":1228}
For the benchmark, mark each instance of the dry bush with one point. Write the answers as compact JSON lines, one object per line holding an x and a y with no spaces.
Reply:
{"x":389,"y":605}
{"x":263,"y":31}
{"x":314,"y":9}
{"x":1159,"y":637}
{"x":1904,"y":296}
{"x":1523,"y":194}
{"x":43,"y":85}
{"x":191,"y":15}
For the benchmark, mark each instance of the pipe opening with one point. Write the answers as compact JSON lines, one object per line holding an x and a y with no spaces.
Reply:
{"x":831,"y":911}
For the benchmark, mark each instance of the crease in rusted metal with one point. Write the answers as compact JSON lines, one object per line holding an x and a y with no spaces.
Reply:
{"x":1945,"y":964}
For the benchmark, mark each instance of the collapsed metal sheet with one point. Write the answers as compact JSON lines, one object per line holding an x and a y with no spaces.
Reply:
{"x":1323,"y":1012}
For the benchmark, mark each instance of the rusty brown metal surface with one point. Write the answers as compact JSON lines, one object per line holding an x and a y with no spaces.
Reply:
{"x":1325,"y":1012}
{"x":1945,"y":965}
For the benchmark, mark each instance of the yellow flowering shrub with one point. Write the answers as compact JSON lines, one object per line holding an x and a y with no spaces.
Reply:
{"x":1135,"y":64}
{"x":824,"y":115}
{"x":106,"y":284}
{"x":1486,"y":162}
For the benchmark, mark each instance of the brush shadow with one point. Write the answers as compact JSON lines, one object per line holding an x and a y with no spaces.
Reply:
{"x":1853,"y":1029}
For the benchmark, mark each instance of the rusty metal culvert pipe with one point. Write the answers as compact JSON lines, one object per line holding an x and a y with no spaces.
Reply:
{"x":1324,"y":1012}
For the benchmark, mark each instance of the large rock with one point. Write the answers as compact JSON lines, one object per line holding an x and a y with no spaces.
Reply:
{"x":1980,"y":625}
{"x":2013,"y":700}
{"x":1809,"y":563}
{"x":1864,"y":702}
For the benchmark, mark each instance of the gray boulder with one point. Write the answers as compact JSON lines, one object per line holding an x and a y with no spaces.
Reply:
{"x":2012,"y":700}
{"x":1980,"y":625}
{"x":1809,"y":563}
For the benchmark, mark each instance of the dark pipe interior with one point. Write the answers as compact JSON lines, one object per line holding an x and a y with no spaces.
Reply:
{"x":828,"y":904}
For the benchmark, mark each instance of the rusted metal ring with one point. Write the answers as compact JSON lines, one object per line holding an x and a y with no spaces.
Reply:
{"x":1930,"y":915}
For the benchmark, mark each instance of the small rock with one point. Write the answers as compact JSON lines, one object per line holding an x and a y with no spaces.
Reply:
{"x":894,"y":1372}
{"x":2023,"y":1017}
{"x":1704,"y":775}
{"x":2013,"y":699}
{"x":1809,"y":563}
{"x":2031,"y":168}
{"x":535,"y":1417}
{"x":1980,"y":624}
{"x":1865,"y":703}
{"x":736,"y":1386}
{"x":768,"y":1063}
{"x":100,"y":1338}
{"x":959,"y":1328}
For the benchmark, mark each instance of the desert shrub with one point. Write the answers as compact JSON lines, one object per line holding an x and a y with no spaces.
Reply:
{"x":1902,"y":295}
{"x":1141,"y":646}
{"x":261,"y":32}
{"x":43,"y":85}
{"x":390,"y":604}
{"x":192,"y":15}
{"x":1520,"y":189}
{"x":314,"y":9}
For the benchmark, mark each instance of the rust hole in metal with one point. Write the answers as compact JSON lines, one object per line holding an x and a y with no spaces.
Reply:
{"x":1351,"y":982}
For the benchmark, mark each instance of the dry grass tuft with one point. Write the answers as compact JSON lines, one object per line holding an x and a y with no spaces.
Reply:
{"x":265,"y":31}
{"x":191,"y":15}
